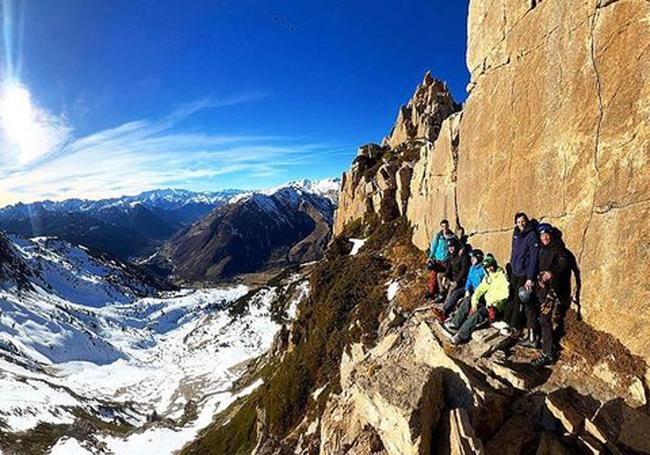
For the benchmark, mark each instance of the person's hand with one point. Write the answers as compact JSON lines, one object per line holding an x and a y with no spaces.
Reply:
{"x":492,"y":313}
{"x":467,"y":294}
{"x":528,"y":285}
{"x":547,"y":276}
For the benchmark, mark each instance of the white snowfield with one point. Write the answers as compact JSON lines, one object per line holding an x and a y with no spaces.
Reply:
{"x":85,"y":339}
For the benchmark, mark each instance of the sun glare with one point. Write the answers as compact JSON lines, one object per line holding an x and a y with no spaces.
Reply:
{"x":26,"y":128}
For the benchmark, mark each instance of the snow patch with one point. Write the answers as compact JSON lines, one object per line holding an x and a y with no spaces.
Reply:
{"x":356,"y":245}
{"x":391,"y":292}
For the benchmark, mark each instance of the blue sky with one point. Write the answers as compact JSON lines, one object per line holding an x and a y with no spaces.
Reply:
{"x":122,"y":96}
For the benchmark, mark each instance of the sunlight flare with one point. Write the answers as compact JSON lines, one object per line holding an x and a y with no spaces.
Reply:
{"x":31,"y":132}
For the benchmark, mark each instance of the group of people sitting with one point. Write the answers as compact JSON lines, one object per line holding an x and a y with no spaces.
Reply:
{"x":531,"y":295}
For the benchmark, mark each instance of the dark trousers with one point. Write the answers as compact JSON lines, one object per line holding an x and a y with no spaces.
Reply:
{"x":548,"y":302}
{"x":515,"y":313}
{"x":560,"y":309}
{"x":452,"y":300}
{"x":467,"y":322}
{"x":559,"y":312}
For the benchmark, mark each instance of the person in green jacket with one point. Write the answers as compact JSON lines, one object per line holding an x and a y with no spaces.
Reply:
{"x":487,"y":302}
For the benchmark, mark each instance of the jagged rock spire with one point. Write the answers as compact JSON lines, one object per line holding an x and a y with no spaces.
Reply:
{"x":423,"y":115}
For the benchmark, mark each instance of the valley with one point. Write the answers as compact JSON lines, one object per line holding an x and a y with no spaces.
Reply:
{"x":93,"y":352}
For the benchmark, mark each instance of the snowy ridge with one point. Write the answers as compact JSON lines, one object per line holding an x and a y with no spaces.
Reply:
{"x":328,"y":188}
{"x":89,"y":336}
{"x":168,"y":199}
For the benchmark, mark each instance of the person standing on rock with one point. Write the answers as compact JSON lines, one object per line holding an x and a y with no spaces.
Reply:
{"x":437,"y":260}
{"x":554,"y":267}
{"x":523,"y":262}
{"x":487,"y":302}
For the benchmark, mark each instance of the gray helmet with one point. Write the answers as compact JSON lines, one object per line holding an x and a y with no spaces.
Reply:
{"x":524,"y":295}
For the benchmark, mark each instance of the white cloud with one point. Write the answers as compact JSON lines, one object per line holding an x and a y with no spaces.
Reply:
{"x":27,"y":131}
{"x":145,"y":154}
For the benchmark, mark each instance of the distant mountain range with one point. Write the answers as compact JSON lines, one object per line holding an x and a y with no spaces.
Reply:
{"x":127,"y":227}
{"x":192,"y":235}
{"x":285,"y":225}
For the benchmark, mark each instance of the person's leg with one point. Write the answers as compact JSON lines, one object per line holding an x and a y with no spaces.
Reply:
{"x":559,"y":314}
{"x":461,"y":312}
{"x":433,"y":283}
{"x":546,"y":323}
{"x":465,"y":331}
{"x":507,"y":312}
{"x":517,"y":312}
{"x":452,"y":300}
{"x":532,"y":324}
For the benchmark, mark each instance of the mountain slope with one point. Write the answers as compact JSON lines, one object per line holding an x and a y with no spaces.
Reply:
{"x":290,"y":224}
{"x":127,"y":227}
{"x":92,"y":348}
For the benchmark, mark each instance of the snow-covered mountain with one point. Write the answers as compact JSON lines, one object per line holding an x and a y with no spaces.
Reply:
{"x":96,"y":355}
{"x":289,"y":224}
{"x":133,"y":226}
{"x":328,"y":188}
{"x":127,"y":227}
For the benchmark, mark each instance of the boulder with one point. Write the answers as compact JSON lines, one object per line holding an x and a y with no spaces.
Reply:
{"x":341,"y":426}
{"x":402,"y":400}
{"x":570,"y":419}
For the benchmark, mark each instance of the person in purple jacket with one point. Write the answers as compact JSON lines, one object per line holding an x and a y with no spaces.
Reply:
{"x":523,"y":264}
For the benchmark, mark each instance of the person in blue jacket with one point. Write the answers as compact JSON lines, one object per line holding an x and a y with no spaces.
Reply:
{"x":523,"y":263}
{"x":474,"y":277}
{"x":438,"y":258}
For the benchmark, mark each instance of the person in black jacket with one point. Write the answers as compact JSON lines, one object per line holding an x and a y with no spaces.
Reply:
{"x":523,"y":263}
{"x":455,"y":276}
{"x":446,"y":283}
{"x":554,"y":267}
{"x":566,"y":295}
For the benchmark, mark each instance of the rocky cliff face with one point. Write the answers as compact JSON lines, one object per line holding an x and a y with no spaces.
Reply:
{"x":557,"y":125}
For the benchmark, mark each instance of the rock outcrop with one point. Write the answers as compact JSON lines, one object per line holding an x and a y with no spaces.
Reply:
{"x":557,"y":125}
{"x":379,"y":181}
{"x":422,"y":116}
{"x":388,"y":392}
{"x":415,"y":393}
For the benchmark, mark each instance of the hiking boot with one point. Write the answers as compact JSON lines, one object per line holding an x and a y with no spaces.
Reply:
{"x":542,"y":361}
{"x":529,"y":343}
{"x":455,"y":340}
{"x":450,"y":327}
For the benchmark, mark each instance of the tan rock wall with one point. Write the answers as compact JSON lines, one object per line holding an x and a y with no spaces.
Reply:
{"x":558,"y":125}
{"x":433,"y":184}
